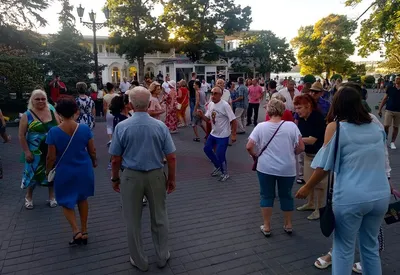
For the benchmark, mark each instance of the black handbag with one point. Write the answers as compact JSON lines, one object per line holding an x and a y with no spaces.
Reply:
{"x":393,"y":213}
{"x":327,"y":218}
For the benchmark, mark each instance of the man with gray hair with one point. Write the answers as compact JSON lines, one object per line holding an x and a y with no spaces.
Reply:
{"x":290,"y":92}
{"x":142,"y":175}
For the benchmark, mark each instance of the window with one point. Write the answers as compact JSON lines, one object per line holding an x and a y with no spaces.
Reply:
{"x":115,"y":76}
{"x":167,"y":69}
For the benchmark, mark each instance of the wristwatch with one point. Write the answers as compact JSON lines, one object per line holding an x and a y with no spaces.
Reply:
{"x":115,"y":180}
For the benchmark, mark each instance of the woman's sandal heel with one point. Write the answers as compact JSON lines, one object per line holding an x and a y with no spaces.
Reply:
{"x":85,"y":241}
{"x":76,"y":241}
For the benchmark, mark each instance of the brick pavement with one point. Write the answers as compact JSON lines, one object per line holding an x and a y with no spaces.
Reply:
{"x":214,"y":227}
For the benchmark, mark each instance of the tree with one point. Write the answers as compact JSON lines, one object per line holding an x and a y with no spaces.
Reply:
{"x":22,"y":13}
{"x":135,"y":31}
{"x":65,"y":56}
{"x":326,"y":46}
{"x":266,"y":53}
{"x":197,"y":24}
{"x":381,"y":31}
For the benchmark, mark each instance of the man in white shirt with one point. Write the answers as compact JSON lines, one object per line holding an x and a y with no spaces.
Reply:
{"x":124,"y":85}
{"x":165,"y":85}
{"x":290,"y":92}
{"x":223,"y":122}
{"x":205,"y":86}
{"x":226,"y":94}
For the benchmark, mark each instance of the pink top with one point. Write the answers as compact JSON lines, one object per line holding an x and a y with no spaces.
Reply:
{"x":255,"y":93}
{"x":155,"y":106}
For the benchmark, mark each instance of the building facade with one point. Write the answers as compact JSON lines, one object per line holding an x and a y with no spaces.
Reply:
{"x":175,"y":65}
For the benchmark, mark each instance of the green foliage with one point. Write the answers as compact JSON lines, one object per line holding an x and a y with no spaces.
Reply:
{"x":19,"y":42}
{"x":336,"y":77}
{"x":23,"y":13}
{"x":354,"y":78}
{"x":198,"y":22}
{"x":65,"y":55}
{"x":326,"y":46}
{"x":309,"y":78}
{"x":381,"y":31}
{"x":265,"y":52}
{"x":369,"y":79}
{"x":19,"y":75}
{"x":135,"y":31}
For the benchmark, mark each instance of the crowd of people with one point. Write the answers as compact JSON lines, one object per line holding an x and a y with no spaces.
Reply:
{"x":295,"y":143}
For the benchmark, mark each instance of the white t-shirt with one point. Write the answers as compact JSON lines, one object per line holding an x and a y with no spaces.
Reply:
{"x":205,"y":87}
{"x":279,"y":158}
{"x":289,"y":101}
{"x":226,"y":96}
{"x":166,"y":88}
{"x":220,"y":115}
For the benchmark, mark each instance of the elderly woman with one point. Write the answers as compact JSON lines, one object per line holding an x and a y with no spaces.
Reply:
{"x":287,"y":115}
{"x":361,"y":191}
{"x":72,"y":153}
{"x":86,"y":106}
{"x":171,"y":119}
{"x":34,"y":125}
{"x":155,"y":110}
{"x":277,"y":143}
{"x":311,"y":123}
{"x":183,"y":100}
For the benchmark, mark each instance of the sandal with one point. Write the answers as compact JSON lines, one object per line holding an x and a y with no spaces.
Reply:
{"x":322,"y":264}
{"x":75,"y":240}
{"x":196,"y":139}
{"x":52,"y":203}
{"x":28,"y":204}
{"x":357,"y":268}
{"x":85,"y":240}
{"x":266,"y":233}
{"x":305,"y":207}
{"x":288,"y":230}
{"x":314,"y":216}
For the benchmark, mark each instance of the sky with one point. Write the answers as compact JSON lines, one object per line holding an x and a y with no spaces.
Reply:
{"x":283,"y":17}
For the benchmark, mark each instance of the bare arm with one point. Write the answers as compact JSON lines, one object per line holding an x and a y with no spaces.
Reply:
{"x":309,"y":140}
{"x":196,"y":106}
{"x":92,"y":152}
{"x":233,"y":130}
{"x":116,"y":162}
{"x":250,"y":147}
{"x":3,"y":121}
{"x":22,"y":130}
{"x":383,"y":103}
{"x":171,"y":182}
{"x":51,"y":158}
{"x":300,"y":147}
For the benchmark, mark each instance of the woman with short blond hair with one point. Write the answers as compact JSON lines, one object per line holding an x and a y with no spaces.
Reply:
{"x":275,"y":143}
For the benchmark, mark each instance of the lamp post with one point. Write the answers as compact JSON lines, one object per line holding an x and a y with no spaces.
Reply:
{"x":95,"y":27}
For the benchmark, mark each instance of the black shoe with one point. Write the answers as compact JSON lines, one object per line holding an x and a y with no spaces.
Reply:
{"x":300,"y":181}
{"x":85,"y":241}
{"x":75,"y":240}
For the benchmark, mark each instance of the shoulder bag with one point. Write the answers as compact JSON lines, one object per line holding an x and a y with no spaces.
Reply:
{"x":52,"y":173}
{"x":254,"y":168}
{"x":327,"y":218}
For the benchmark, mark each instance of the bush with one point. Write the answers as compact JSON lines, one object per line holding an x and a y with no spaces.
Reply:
{"x":309,"y":79}
{"x":336,"y":76}
{"x":369,"y":81}
{"x":355,"y":78}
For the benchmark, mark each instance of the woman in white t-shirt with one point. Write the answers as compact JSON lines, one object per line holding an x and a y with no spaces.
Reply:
{"x":277,"y":163}
{"x":106,"y":104}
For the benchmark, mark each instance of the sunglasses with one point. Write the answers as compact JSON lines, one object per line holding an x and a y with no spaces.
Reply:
{"x":41,"y":99}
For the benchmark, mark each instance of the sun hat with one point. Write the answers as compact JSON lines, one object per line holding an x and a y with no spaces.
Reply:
{"x":172,"y":83}
{"x":317,"y":87}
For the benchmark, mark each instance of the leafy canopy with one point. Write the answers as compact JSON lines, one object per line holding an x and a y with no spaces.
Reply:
{"x":23,"y":13}
{"x":381,"y":31}
{"x":265,"y":52}
{"x":326,"y":46}
{"x":196,"y":23}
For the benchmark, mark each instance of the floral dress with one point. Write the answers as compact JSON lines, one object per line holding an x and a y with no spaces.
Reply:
{"x":35,"y":172}
{"x":86,"y":105}
{"x":171,"y":119}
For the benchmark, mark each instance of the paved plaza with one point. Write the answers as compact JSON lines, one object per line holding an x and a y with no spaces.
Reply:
{"x":214,"y":226}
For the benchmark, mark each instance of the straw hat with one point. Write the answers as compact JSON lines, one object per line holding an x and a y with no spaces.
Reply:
{"x":317,"y":87}
{"x":172,"y":83}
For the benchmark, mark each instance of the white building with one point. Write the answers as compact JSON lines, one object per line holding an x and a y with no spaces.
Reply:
{"x":175,"y":65}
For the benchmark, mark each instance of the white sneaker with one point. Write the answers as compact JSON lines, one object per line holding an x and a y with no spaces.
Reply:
{"x":224,"y":177}
{"x":216,"y":172}
{"x":392,"y":146}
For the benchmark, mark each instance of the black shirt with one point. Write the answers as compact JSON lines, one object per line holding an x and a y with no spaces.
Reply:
{"x":192,"y":91}
{"x":314,"y":126}
{"x":393,"y":101}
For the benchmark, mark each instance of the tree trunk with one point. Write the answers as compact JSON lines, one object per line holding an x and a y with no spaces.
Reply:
{"x":268,"y":75}
{"x":141,"y":68}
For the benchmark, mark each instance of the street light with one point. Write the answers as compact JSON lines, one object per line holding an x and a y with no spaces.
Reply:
{"x":94,"y":27}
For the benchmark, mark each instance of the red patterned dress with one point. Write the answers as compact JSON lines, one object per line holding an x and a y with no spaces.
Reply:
{"x":171,"y":119}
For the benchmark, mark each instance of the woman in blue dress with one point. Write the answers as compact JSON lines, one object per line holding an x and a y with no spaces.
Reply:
{"x":86,"y":105}
{"x":74,"y":178}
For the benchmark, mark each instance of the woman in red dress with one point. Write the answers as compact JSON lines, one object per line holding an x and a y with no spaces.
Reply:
{"x":171,"y":119}
{"x":183,"y":103}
